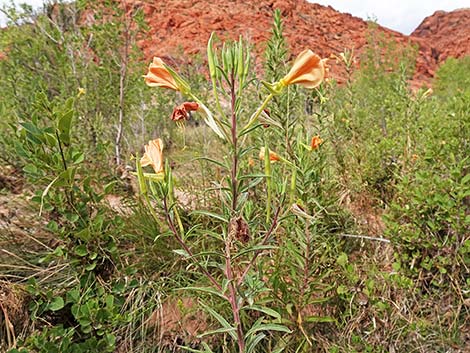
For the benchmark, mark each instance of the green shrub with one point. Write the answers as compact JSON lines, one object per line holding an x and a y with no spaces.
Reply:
{"x":429,"y":218}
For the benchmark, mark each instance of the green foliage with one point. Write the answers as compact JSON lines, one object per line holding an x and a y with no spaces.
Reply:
{"x":429,"y":218}
{"x":452,"y":77}
{"x":96,"y":310}
{"x":51,"y":52}
{"x":374,"y":118}
{"x":276,"y":255}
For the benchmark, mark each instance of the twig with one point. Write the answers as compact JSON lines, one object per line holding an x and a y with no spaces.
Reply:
{"x":20,"y":259}
{"x":122,"y":83}
{"x":365,"y":237}
{"x":11,"y":339}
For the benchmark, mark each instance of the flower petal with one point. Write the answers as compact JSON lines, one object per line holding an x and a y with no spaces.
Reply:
{"x":153,"y":155}
{"x":308,"y":70}
{"x":159,"y":76}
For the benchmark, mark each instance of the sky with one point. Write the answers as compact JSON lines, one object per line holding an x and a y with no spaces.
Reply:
{"x":400,"y":15}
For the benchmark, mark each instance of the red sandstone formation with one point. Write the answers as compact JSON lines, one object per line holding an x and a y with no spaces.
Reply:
{"x":183,"y":26}
{"x":442,"y":35}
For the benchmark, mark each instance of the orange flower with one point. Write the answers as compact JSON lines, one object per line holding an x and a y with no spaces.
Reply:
{"x":251,"y":162}
{"x":181,"y":112}
{"x":308,"y":70}
{"x":273,"y":156}
{"x":159,"y":76}
{"x":316,"y":142}
{"x":153,"y":155}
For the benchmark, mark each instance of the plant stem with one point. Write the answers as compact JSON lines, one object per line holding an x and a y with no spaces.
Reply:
{"x":267,"y":171}
{"x":307,"y":259}
{"x":68,"y":193}
{"x":256,"y":115}
{"x":62,"y":156}
{"x":233,"y":298}
{"x":235,"y":150}
{"x":233,"y":295}
{"x":122,"y":82}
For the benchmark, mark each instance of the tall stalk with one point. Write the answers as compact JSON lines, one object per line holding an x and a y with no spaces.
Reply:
{"x":122,"y":83}
{"x":228,"y":258}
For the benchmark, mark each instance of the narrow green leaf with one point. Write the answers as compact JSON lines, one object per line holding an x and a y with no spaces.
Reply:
{"x":254,"y":248}
{"x":211,"y":214}
{"x":220,"y":164}
{"x":220,"y":330}
{"x":205,"y":290}
{"x":320,"y":319}
{"x":252,"y":343}
{"x":264,"y":310}
{"x":221,"y":320}
{"x":268,"y":327}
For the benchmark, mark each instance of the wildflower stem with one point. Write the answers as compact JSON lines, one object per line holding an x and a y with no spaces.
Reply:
{"x":233,"y":298}
{"x":235,"y":151}
{"x":293,"y":185}
{"x":267,"y":171}
{"x":152,"y":211}
{"x":256,"y":115}
{"x":307,"y":257}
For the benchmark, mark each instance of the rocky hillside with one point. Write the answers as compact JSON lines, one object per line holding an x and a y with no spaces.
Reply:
{"x":442,"y":35}
{"x":179,"y":27}
{"x":184,"y":26}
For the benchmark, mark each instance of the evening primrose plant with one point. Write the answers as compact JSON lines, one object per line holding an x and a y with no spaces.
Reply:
{"x":242,"y":232}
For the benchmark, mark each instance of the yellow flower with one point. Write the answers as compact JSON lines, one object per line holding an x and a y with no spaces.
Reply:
{"x":153,"y":155}
{"x":273,"y":156}
{"x":159,"y":76}
{"x":308,"y":70}
{"x":316,"y":142}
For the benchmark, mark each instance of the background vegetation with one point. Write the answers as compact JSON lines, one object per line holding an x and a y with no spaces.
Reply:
{"x":379,"y":264}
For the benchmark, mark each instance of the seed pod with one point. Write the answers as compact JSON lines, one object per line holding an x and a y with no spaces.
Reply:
{"x":238,"y":229}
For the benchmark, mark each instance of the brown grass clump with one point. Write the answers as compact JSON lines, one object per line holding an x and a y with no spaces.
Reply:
{"x":14,"y":315}
{"x":179,"y":322}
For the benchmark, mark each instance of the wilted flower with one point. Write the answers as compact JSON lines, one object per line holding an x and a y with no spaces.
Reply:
{"x":427,"y":93}
{"x":273,"y":156}
{"x":308,"y":70}
{"x":159,"y":76}
{"x":251,"y":162}
{"x":316,"y":142}
{"x":181,"y":112}
{"x":153,"y":155}
{"x":300,"y":212}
